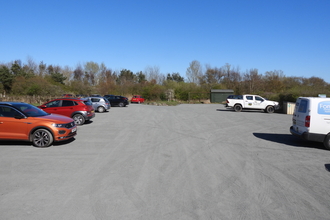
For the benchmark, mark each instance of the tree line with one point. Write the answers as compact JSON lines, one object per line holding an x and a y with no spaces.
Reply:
{"x":30,"y":78}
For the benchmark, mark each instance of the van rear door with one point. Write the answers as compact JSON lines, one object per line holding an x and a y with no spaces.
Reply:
{"x":301,"y":116}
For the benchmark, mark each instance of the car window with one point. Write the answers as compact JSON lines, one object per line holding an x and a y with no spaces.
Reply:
{"x":8,"y":112}
{"x":249,"y":97}
{"x":303,"y":106}
{"x":95,"y":99}
{"x":259,"y":98}
{"x":55,"y":103}
{"x":30,"y":110}
{"x":87,"y":102}
{"x":68,"y":103}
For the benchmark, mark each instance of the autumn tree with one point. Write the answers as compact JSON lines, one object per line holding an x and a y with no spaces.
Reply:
{"x":212,"y":78}
{"x":153,"y":73}
{"x":91,"y":71}
{"x":41,"y":69}
{"x":274,"y":81}
{"x":232,"y":78}
{"x":194,"y":72}
{"x":107,"y":81}
{"x":252,"y":81}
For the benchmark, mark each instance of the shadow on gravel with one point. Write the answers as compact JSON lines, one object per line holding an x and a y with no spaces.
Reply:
{"x":327,"y":167}
{"x":289,"y":139}
{"x":246,"y":111}
{"x":61,"y":143}
{"x":26,"y":143}
{"x":87,"y":122}
{"x":22,"y":143}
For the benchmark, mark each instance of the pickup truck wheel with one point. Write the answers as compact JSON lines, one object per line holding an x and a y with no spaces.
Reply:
{"x":238,"y":108}
{"x":270,"y":109}
{"x":326,"y":142}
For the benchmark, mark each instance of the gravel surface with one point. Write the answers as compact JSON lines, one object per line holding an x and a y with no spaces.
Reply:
{"x":198,"y":161}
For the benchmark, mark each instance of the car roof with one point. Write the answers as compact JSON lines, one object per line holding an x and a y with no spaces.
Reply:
{"x":11,"y":103}
{"x":96,"y":97}
{"x":68,"y":98}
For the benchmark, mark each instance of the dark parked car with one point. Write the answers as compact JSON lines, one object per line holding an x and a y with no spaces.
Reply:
{"x":117,"y":100}
{"x":79,"y":109}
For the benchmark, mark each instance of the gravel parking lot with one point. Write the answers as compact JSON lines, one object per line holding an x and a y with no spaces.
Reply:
{"x":163,"y":162}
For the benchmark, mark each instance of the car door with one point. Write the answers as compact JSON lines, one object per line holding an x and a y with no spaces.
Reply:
{"x":53,"y":107}
{"x":248,"y":102}
{"x":67,"y":108}
{"x":112,"y":100}
{"x":11,"y":127}
{"x":258,"y":102}
{"x":95,"y":102}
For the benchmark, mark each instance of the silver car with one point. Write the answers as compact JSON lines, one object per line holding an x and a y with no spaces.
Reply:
{"x":100,"y":104}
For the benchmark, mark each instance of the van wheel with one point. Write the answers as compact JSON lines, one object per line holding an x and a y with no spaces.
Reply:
{"x":42,"y":138}
{"x":238,"y":108}
{"x":270,"y":109}
{"x":326,"y":142}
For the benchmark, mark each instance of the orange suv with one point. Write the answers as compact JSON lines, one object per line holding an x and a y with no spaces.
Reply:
{"x":25,"y":122}
{"x":81,"y":110}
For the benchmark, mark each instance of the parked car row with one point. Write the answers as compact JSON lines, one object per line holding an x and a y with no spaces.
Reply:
{"x":80,"y":110}
{"x":115,"y":99}
{"x":53,"y":121}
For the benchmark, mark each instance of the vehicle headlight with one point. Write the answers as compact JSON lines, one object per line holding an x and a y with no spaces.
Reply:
{"x":58,"y":125}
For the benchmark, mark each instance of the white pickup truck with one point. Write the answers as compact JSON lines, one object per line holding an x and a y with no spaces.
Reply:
{"x":251,"y":102}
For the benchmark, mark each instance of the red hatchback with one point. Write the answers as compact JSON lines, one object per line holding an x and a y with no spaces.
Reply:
{"x":137,"y":99}
{"x":81,"y":110}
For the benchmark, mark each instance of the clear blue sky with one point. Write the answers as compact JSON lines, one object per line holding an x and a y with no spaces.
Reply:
{"x":288,"y":35}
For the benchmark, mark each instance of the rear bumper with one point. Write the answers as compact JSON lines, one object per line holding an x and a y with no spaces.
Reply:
{"x":89,"y":116}
{"x":308,"y":136}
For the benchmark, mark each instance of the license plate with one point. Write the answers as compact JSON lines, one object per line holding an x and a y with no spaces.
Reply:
{"x":73,"y":130}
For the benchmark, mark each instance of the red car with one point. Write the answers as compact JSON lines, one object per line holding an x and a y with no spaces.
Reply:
{"x":137,"y":99}
{"x":81,"y":110}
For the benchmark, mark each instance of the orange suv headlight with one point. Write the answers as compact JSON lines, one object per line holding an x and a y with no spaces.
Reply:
{"x":58,"y":125}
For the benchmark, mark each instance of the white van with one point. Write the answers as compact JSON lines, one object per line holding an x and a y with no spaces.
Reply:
{"x":311,"y":119}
